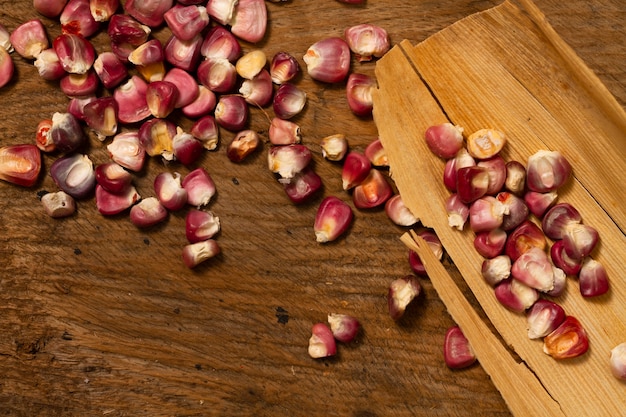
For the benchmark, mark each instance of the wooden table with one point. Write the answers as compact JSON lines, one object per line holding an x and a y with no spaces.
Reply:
{"x":100,"y":318}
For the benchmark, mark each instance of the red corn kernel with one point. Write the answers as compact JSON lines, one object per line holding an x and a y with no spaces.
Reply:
{"x":515,"y":177}
{"x":515,"y":295}
{"x":231,"y":113}
{"x":156,"y":137}
{"x":457,"y":352}
{"x":74,"y":174}
{"x":206,"y":131}
{"x":110,"y":69}
{"x":375,"y":152}
{"x":75,"y":53}
{"x":259,"y":90}
{"x":618,"y":361}
{"x":283,"y":132}
{"x":102,"y":10}
{"x":170,"y":191}
{"x":461,"y":160}
{"x":80,"y":85}
{"x":486,"y":213}
{"x":149,"y":52}
{"x":200,"y":187}
{"x":242,"y":145}
{"x":288,"y":160}
{"x":560,"y":282}
{"x":196,"y":253}
{"x":48,"y":65}
{"x":496,"y":168}
{"x":76,"y":106}
{"x":328,"y":60}
{"x":398,"y":212}
{"x":249,"y":20}
{"x":42,"y":137}
{"x":516,"y":210}
{"x":125,"y":30}
{"x":444,"y":140}
{"x":485,"y":143}
{"x":334,"y":147}
{"x":490,"y":244}
{"x":561,"y":260}
{"x":372,"y":192}
{"x":345,"y":327}
{"x":546,"y":171}
{"x":131,"y":100}
{"x":534,"y":269}
{"x":222,"y":10}
{"x":66,"y":133}
{"x":539,"y":203}
{"x":126,"y":150}
{"x":183,"y":54}
{"x":148,"y":212}
{"x":556,"y":220}
{"x":187,"y":149}
{"x":202,"y":105}
{"x":402,"y":292}
{"x":472,"y":183}
{"x":579,"y":240}
{"x":161,"y":97}
{"x":322,"y":342}
{"x":49,"y":8}
{"x":112,"y":177}
{"x":283,"y":67}
{"x":220,"y":43}
{"x":303,"y":186}
{"x":496,"y":270}
{"x":201,"y":225}
{"x":217,"y":74}
{"x":77,"y":19}
{"x":593,"y":279}
{"x":289,"y":100}
{"x":188,"y":89}
{"x":250,"y":64}
{"x":20,"y":164}
{"x":148,"y":12}
{"x":186,"y":22}
{"x":569,"y":340}
{"x":457,"y":210}
{"x":543,"y":318}
{"x":59,"y":204}
{"x":101,"y":116}
{"x":415,"y":263}
{"x":29,"y":39}
{"x":525,"y":236}
{"x":356,"y":168}
{"x":333,"y":218}
{"x":7,"y":67}
{"x":359,"y":94}
{"x":367,"y":41}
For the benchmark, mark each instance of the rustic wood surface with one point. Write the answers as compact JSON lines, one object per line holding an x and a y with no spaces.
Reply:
{"x":99,"y":318}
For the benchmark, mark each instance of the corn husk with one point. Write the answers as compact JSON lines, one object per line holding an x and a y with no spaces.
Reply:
{"x":506,"y":68}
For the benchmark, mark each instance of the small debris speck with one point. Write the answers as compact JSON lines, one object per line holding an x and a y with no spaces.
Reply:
{"x":146,"y":241}
{"x":198,"y":367}
{"x":78,"y":251}
{"x":235,"y":181}
{"x":282,"y":315}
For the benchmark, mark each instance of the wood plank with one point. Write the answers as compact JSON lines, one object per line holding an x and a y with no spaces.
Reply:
{"x":98,"y":318}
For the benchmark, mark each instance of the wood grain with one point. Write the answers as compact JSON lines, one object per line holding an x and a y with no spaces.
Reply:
{"x":98,"y":318}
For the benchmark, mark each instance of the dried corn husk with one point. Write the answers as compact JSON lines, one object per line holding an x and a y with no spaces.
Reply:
{"x":506,"y":68}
